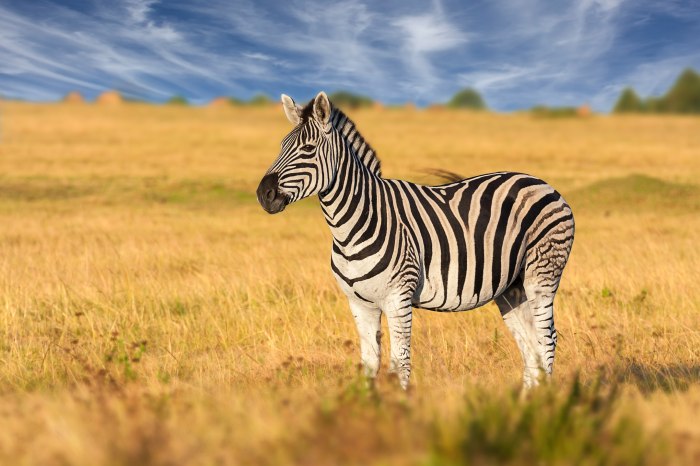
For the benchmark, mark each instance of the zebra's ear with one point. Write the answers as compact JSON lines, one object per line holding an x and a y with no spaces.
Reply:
{"x":291,"y":109}
{"x":322,"y":108}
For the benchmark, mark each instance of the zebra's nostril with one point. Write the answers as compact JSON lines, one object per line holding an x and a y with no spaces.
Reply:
{"x":267,"y":192}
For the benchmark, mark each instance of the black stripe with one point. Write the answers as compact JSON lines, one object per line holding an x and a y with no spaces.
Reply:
{"x":548,"y":228}
{"x":501,"y":227}
{"x":525,"y":225}
{"x":482,"y":223}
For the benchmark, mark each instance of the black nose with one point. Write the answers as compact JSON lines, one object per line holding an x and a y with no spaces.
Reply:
{"x":268,"y":188}
{"x":268,"y":194}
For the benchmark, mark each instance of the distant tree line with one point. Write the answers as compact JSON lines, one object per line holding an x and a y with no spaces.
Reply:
{"x":464,"y":99}
{"x":178,"y":100}
{"x":682,"y":97}
{"x":554,"y":112}
{"x":256,"y":100}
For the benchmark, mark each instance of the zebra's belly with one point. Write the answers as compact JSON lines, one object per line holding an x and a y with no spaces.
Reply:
{"x":433,"y":297}
{"x":449,"y":287}
{"x":360,"y":280}
{"x":446,"y":293}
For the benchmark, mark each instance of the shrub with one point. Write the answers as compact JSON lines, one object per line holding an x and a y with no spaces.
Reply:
{"x":629,"y":102}
{"x":178,"y":100}
{"x":682,"y":97}
{"x":345,"y":99}
{"x":581,"y":425}
{"x":260,"y":100}
{"x":467,"y":98}
{"x":554,"y":112}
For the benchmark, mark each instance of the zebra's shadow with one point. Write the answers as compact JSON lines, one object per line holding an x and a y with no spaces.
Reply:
{"x":649,"y":378}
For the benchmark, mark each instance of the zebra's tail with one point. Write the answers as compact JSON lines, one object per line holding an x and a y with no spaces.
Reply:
{"x":448,"y":176}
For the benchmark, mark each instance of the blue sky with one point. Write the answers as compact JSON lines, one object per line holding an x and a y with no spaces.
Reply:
{"x":517,"y":53}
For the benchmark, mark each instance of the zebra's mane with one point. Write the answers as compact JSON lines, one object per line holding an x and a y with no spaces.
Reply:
{"x":365,"y":153}
{"x":346,"y":127}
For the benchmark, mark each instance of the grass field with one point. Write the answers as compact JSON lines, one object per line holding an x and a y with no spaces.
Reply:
{"x":152,"y":313}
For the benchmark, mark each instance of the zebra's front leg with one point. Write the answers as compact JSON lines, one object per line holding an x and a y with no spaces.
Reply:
{"x":368,"y":321}
{"x":399,"y":319}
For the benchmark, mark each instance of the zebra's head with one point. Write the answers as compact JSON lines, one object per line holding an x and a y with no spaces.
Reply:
{"x":305,"y":165}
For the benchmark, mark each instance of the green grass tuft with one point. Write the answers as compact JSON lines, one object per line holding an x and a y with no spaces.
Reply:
{"x":579,"y":424}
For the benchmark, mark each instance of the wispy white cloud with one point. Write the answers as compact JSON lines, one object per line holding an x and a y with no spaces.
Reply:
{"x":128,"y":48}
{"x":545,"y":48}
{"x":348,"y":44}
{"x":429,"y":33}
{"x":125,"y":48}
{"x":503,"y":77}
{"x":139,"y":9}
{"x":321,"y":42}
{"x":257,"y":56}
{"x":138,"y":18}
{"x":423,"y":35}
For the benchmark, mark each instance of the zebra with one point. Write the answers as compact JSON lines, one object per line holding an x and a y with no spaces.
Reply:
{"x":398,"y":245}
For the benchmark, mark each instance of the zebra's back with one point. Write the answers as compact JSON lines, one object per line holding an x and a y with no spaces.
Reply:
{"x":472,"y":237}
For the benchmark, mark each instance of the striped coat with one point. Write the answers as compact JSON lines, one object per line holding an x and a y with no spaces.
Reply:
{"x":398,"y":245}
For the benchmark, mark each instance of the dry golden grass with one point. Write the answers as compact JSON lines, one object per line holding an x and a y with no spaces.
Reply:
{"x":152,"y":313}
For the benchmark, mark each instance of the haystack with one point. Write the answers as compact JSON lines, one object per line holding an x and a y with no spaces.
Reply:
{"x":74,"y":97}
{"x":436,"y":107}
{"x":220,"y":102}
{"x":110,"y":98}
{"x":584,"y":110}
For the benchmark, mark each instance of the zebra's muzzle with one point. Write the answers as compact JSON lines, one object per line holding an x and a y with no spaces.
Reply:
{"x":269,"y":195}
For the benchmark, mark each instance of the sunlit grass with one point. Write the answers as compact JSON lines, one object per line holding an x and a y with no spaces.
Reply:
{"x":151,"y":312}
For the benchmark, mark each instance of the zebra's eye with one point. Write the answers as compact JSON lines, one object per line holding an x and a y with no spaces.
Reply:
{"x":308,"y":147}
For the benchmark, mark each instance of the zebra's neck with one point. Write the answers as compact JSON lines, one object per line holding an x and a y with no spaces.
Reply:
{"x":353,"y":196}
{"x":361,"y":148}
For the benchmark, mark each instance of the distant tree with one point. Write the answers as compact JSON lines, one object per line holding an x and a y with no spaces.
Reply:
{"x":177,"y":100}
{"x":467,"y":98}
{"x":260,"y":100}
{"x":554,"y":112}
{"x":684,"y":95}
{"x":345,"y":99}
{"x":629,"y":102}
{"x":654,"y":104}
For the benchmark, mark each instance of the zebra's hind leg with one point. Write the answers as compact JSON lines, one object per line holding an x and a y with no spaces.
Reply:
{"x":368,"y":321}
{"x":515,"y":310}
{"x":541,"y":303}
{"x":544,"y":266}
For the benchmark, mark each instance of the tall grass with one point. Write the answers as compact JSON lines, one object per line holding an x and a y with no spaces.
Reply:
{"x":574,"y":425}
{"x":151,"y":313}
